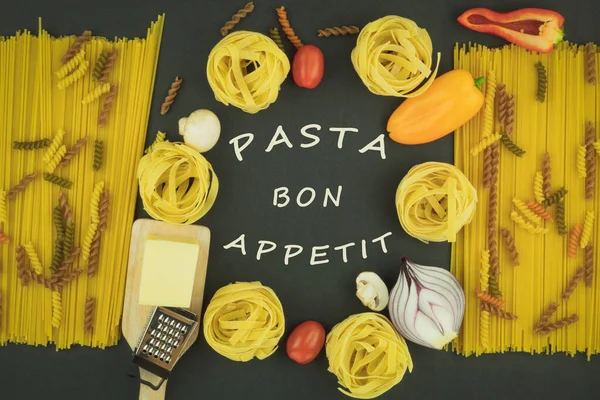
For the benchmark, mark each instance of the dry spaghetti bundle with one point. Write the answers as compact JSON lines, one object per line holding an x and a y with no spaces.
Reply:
{"x":393,"y":57}
{"x":236,"y":18}
{"x":434,"y":201}
{"x":246,"y":69}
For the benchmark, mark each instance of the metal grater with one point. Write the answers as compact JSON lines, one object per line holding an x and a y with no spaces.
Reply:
{"x":165,"y":337}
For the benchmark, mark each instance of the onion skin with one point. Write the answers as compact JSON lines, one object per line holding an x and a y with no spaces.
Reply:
{"x":427,"y":305}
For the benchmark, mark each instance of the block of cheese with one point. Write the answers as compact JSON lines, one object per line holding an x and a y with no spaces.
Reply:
{"x":168,"y":270}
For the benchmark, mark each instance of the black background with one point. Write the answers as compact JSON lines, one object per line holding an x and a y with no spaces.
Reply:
{"x":244,"y":204}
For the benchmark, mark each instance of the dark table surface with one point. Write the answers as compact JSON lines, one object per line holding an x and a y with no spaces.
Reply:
{"x":244,"y":205}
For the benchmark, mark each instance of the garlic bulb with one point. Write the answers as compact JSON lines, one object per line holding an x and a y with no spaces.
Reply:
{"x":371,"y":291}
{"x":427,"y":305}
{"x":200,"y":130}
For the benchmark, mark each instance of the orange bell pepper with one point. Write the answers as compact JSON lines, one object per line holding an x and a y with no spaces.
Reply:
{"x":452,"y":100}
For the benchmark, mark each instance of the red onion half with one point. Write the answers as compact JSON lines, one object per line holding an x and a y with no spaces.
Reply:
{"x":427,"y":305}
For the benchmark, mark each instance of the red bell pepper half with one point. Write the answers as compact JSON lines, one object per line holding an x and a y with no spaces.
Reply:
{"x":532,"y":28}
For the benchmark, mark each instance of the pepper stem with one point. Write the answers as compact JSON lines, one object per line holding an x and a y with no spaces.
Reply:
{"x":479,"y":81}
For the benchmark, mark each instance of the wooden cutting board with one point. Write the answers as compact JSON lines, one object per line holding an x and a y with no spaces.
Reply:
{"x":135,"y":316}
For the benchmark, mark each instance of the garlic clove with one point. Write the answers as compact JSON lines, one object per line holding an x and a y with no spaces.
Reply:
{"x":181,"y":123}
{"x":372,"y":291}
{"x":201,"y":130}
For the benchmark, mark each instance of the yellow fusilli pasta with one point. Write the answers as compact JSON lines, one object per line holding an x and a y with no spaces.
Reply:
{"x":56,"y":308}
{"x":75,"y":76}
{"x":538,"y":187}
{"x":95,"y":220}
{"x":485,"y":143}
{"x":34,"y":260}
{"x":96,"y":93}
{"x":67,"y":68}
{"x":484,"y":271}
{"x":488,"y":112}
{"x":484,"y":329}
{"x":526,"y":212}
{"x":53,"y":163}
{"x":57,"y":141}
{"x":588,"y":224}
{"x":528,"y":226}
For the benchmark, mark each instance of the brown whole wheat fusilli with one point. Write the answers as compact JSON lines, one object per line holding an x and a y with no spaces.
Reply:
{"x":88,"y":321}
{"x":590,"y":160}
{"x":510,"y":246}
{"x":76,"y":46}
{"x":589,"y":264}
{"x":572,"y":285}
{"x":338,"y":31}
{"x":590,"y":64}
{"x":236,"y":18}
{"x":497,"y":311}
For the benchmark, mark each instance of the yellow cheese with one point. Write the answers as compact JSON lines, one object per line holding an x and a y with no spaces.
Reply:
{"x":168,"y":270}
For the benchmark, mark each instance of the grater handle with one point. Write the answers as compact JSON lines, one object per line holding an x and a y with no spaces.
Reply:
{"x":147,"y":393}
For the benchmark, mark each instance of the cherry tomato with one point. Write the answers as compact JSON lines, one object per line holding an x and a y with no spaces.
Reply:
{"x":308,"y":66}
{"x":305,"y":342}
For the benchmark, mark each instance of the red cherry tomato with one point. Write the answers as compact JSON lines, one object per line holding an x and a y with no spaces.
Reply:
{"x":308,"y":66}
{"x":305,"y":342}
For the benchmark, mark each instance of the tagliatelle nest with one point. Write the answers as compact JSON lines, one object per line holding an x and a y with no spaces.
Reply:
{"x":246,"y":69}
{"x":393,"y":57}
{"x":434,"y":201}
{"x":177,"y":184}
